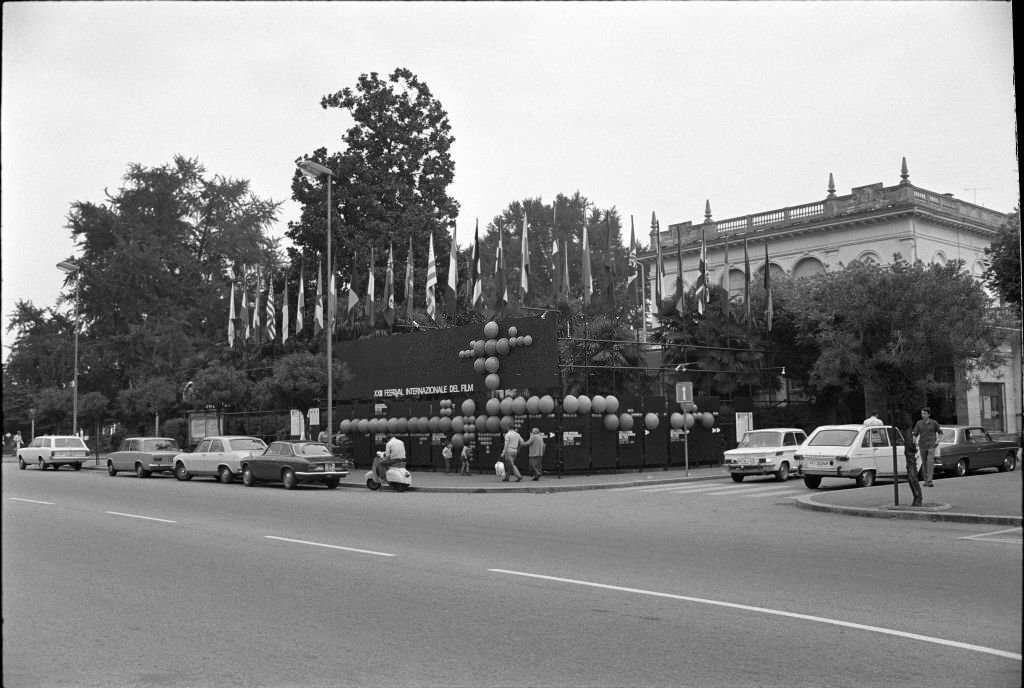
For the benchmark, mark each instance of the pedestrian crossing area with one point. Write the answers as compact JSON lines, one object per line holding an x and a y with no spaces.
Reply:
{"x":760,"y":490}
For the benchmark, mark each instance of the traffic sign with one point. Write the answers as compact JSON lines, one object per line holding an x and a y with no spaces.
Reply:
{"x":684,"y":392}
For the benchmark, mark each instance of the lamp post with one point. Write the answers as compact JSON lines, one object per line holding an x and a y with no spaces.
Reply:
{"x":72,"y":269}
{"x":315,"y":170}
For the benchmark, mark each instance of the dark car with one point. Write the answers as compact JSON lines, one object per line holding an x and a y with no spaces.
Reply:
{"x":964,"y":448}
{"x":296,"y":461}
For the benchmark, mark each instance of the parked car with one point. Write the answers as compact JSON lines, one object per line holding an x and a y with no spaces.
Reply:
{"x":860,"y":452}
{"x":964,"y":448}
{"x":296,"y":461}
{"x":144,"y":456}
{"x":765,"y":452}
{"x":220,"y":457}
{"x":54,"y":451}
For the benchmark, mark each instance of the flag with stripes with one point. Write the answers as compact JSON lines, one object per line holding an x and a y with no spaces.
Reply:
{"x":431,"y":279}
{"x":703,"y":288}
{"x":271,"y":312}
{"x":410,"y":288}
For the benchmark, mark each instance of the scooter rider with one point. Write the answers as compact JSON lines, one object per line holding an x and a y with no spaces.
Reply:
{"x":393,"y":455}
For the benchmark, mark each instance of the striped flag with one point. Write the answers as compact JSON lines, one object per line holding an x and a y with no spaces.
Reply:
{"x":409,"y":286}
{"x":318,"y":309}
{"x":431,"y":279}
{"x":476,"y":275}
{"x":231,"y":318}
{"x":271,"y":312}
{"x":524,"y":270}
{"x":703,"y":288}
{"x":284,"y":314}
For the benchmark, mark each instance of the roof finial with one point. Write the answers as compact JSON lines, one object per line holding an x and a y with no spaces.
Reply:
{"x":831,"y":186}
{"x":707,"y":210}
{"x":904,"y":174}
{"x":654,"y":220}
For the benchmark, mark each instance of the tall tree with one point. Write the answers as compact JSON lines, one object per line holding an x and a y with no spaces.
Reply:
{"x":1003,"y":270}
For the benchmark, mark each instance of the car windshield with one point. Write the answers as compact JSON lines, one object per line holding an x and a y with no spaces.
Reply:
{"x":947,"y":435}
{"x":833,"y":438}
{"x":69,"y":443}
{"x":159,"y":445}
{"x":760,"y":439}
{"x":247,"y":444}
{"x":315,"y":450}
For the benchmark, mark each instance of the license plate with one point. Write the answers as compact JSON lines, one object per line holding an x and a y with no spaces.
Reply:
{"x":818,"y":462}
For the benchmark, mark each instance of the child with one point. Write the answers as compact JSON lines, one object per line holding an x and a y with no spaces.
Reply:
{"x":447,"y":455}
{"x":467,"y":458}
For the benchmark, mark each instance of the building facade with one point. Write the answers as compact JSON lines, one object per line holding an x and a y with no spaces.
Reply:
{"x":875,"y":223}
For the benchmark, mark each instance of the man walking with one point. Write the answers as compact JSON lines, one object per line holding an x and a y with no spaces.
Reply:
{"x":513,"y":440}
{"x":926,"y":435}
{"x":536,"y":446}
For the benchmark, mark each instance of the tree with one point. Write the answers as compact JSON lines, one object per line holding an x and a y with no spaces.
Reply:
{"x":220,"y":386}
{"x":1003,"y":269}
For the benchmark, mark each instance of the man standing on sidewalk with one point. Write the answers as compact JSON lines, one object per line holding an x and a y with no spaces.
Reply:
{"x":926,"y":435}
{"x":536,"y":446}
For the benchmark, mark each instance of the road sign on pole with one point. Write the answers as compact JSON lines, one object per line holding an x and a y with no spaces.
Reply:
{"x":684,"y":392}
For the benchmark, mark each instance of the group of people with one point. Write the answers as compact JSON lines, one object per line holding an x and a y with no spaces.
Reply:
{"x":513,"y":443}
{"x":923,"y":439}
{"x":466,"y":456}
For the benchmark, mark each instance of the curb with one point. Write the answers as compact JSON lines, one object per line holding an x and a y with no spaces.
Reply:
{"x":933,"y":511}
{"x":548,"y":488}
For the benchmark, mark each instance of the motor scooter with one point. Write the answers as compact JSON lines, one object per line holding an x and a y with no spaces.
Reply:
{"x":395,"y":475}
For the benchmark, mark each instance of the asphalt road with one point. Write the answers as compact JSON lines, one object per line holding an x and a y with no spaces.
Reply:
{"x":128,"y":582}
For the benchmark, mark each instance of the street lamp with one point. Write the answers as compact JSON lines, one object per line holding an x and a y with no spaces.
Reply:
{"x":315,"y":170}
{"x":72,"y":269}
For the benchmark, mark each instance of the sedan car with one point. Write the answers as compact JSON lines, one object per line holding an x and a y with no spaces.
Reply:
{"x":860,"y":452}
{"x":144,"y":456}
{"x":964,"y":448}
{"x":296,"y":461}
{"x":54,"y":451}
{"x":220,"y":457}
{"x":765,"y":452}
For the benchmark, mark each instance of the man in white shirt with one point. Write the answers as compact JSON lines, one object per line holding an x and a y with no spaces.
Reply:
{"x":394,"y":454}
{"x":513,"y":440}
{"x":873,"y":419}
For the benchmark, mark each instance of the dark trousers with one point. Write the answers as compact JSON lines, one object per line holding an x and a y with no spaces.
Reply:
{"x":915,"y":486}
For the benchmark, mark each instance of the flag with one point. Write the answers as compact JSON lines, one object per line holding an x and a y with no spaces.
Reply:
{"x":564,"y":292}
{"x":370,"y":304}
{"x":476,"y":273}
{"x":284,"y":314}
{"x":431,"y":279}
{"x":332,"y":301}
{"x":451,"y":293}
{"x":769,"y":311}
{"x":524,"y":271}
{"x":703,"y":288}
{"x":556,"y":269}
{"x":680,"y":304}
{"x":243,"y":315}
{"x":389,"y":287}
{"x":588,"y":280}
{"x":231,"y":318}
{"x":500,"y":287}
{"x":353,"y":296}
{"x":632,"y":260}
{"x":727,"y":306}
{"x":609,"y":264}
{"x":660,"y":265}
{"x":301,"y":305}
{"x":318,"y":309}
{"x":746,"y":284}
{"x":256,"y":326}
{"x":410,"y":288}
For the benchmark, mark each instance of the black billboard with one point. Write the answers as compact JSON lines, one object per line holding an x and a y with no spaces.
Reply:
{"x":522,"y":354}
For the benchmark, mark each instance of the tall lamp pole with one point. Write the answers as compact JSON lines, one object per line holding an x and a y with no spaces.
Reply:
{"x":72,"y":269}
{"x":315,"y":170}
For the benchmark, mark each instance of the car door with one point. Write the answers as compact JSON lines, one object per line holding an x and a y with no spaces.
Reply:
{"x":123,"y":459}
{"x":874,"y":448}
{"x":264,"y":465}
{"x":197,"y":461}
{"x":984,"y":453}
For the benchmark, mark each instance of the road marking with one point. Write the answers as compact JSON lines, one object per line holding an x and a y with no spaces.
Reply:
{"x":1016,"y":656}
{"x":987,"y":537}
{"x":144,"y":518}
{"x":321,"y":544}
{"x":31,"y":501}
{"x":751,"y":489}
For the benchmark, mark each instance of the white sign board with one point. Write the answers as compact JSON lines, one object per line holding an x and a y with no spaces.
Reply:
{"x":744,"y":422}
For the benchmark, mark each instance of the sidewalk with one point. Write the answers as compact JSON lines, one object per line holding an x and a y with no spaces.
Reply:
{"x":986,"y":497}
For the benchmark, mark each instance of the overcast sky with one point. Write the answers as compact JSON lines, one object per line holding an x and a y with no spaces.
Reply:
{"x":643,"y":106}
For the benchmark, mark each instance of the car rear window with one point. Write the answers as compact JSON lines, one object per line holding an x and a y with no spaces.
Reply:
{"x":315,"y":450}
{"x":947,"y":435}
{"x":833,"y":438}
{"x":759,"y":439}
{"x":248,"y":443}
{"x":68,"y":443}
{"x":159,"y":445}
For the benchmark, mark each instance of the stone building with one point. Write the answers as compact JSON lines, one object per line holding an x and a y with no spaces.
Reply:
{"x":872,"y":223}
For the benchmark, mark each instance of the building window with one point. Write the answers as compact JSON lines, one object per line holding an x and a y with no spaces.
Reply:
{"x":992,"y":412}
{"x":808,"y":267}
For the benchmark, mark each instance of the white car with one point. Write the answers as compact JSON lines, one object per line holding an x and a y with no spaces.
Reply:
{"x":765,"y":452}
{"x":144,"y":455}
{"x":859,"y":452}
{"x":54,"y":451}
{"x":220,"y":457}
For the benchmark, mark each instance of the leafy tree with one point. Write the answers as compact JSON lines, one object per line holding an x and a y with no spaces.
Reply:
{"x":220,"y":386}
{"x":141,"y":403}
{"x":1003,"y":270}
{"x":297,"y":381}
{"x":53,"y":411}
{"x":92,"y":411}
{"x":606,"y":360}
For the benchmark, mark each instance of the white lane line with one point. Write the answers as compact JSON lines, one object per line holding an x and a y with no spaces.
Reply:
{"x":321,"y":544}
{"x":143,"y":518}
{"x":1016,"y":656}
{"x":31,"y":501}
{"x":988,"y":536}
{"x":752,"y":489}
{"x":788,"y":494}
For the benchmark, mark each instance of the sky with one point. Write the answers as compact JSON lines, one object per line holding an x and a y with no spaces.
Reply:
{"x":641,"y":106}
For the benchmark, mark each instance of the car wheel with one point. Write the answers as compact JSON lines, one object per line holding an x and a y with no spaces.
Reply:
{"x":737,"y":477}
{"x":181,"y":473}
{"x":225,"y":475}
{"x":783,"y":473}
{"x":77,"y":466}
{"x":111,"y":471}
{"x":141,"y":472}
{"x":22,"y":465}
{"x":247,"y":477}
{"x":961,"y":468}
{"x":289,"y":479}
{"x":42,"y":465}
{"x":812,"y":481}
{"x":332,"y":483}
{"x":866,"y":479}
{"x":1009,"y":463}
{"x":372,"y":484}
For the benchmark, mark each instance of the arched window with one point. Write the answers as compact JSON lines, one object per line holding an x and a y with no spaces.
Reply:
{"x":808,"y":267}
{"x":869,"y":257}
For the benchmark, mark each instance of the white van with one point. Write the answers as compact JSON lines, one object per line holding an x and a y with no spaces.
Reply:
{"x":859,"y":452}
